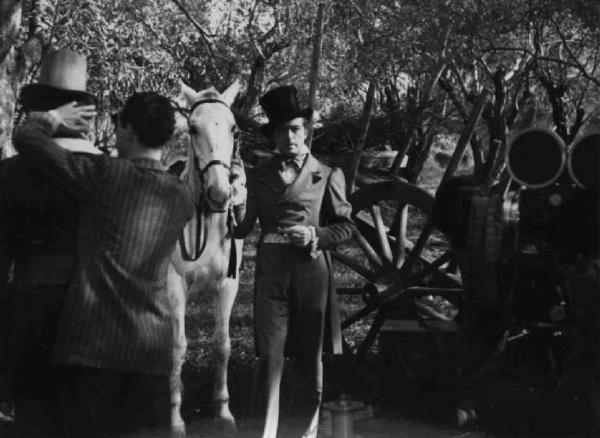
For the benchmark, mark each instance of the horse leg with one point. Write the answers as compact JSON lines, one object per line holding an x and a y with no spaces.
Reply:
{"x":177,"y":299}
{"x":222,"y":304}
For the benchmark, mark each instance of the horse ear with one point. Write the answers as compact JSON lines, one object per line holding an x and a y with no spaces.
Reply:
{"x":189,"y":93}
{"x":229,"y":94}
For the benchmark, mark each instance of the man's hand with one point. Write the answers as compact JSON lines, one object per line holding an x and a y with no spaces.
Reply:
{"x":299,"y":235}
{"x":74,"y":118}
{"x":239,"y":193}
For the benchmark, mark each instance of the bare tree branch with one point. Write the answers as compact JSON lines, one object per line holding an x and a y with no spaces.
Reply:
{"x":559,"y":61}
{"x":572,"y":56}
{"x":314,"y":68}
{"x":204,"y":36}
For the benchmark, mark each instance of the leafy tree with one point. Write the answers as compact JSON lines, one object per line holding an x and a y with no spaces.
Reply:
{"x":428,"y":60}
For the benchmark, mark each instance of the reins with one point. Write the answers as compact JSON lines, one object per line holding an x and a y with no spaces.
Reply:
{"x":203,"y":208}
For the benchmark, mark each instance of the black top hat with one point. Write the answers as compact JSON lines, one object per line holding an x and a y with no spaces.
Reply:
{"x":62,"y":80}
{"x":281,"y":105}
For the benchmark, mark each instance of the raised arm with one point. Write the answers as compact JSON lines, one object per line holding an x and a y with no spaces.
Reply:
{"x":79,"y":174}
{"x":337,"y":223}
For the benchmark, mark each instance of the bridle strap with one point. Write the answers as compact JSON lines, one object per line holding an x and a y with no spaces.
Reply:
{"x":203,"y":101}
{"x":214,"y":163}
{"x":200,"y":240}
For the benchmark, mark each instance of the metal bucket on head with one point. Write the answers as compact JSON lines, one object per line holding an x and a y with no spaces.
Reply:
{"x":536,"y":157}
{"x":584,"y":161}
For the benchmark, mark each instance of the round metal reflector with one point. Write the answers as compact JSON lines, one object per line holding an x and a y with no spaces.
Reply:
{"x":536,"y":157}
{"x":584,"y":161}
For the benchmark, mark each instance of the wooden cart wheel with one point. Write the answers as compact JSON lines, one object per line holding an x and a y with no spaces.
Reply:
{"x":395,"y":256}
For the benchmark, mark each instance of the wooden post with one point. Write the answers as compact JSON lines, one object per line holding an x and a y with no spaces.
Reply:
{"x":314,"y":68}
{"x":365,"y":120}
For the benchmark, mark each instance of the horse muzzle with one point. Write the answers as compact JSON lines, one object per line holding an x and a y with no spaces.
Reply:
{"x":218,"y":198}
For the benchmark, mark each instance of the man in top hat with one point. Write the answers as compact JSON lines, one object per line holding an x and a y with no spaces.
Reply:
{"x":37,"y":238}
{"x":302,"y":208}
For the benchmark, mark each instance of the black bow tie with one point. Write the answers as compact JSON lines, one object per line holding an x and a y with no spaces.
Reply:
{"x":290,"y":160}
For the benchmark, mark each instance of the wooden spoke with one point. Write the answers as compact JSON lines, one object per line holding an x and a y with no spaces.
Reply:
{"x":382,"y":235}
{"x":399,"y":269}
{"x":354,"y":265}
{"x":417,"y":291}
{"x":350,"y":290}
{"x":392,"y":293}
{"x":369,"y":251}
{"x":358,"y":315}
{"x":418,"y":247}
{"x":432,"y":267}
{"x":372,"y":335}
{"x":401,"y":222}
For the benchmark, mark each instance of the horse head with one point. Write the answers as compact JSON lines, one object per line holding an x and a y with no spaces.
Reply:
{"x":212,"y":137}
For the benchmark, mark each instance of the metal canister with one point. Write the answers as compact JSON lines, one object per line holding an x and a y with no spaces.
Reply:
{"x":342,"y":417}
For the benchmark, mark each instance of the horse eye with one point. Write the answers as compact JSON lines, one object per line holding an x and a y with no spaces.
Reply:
{"x":193,"y":130}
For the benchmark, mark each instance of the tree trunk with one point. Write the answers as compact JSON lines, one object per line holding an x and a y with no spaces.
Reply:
{"x":17,"y":61}
{"x":10,"y":24}
{"x":314,"y":69}
{"x":254,"y":84}
{"x":362,"y":139}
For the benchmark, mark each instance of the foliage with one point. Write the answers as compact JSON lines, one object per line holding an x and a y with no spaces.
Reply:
{"x":534,"y":55}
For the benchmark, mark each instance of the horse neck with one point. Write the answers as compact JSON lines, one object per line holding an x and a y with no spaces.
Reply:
{"x":216,"y":225}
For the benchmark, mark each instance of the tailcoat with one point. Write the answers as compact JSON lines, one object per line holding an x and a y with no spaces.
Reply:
{"x":315,"y":198}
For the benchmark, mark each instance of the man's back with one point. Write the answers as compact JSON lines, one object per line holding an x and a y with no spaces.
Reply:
{"x":39,"y":220}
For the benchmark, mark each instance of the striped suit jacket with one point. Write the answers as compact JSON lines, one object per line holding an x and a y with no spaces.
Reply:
{"x":116,"y":314}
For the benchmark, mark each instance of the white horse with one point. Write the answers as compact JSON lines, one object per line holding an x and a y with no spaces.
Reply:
{"x":212,"y":127}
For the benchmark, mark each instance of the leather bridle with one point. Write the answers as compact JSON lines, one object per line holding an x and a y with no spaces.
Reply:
{"x":204,"y":208}
{"x":211,"y":163}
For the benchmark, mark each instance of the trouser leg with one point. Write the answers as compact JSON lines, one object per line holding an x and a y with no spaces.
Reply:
{"x":271,"y":326}
{"x":144,"y":405}
{"x":34,"y":376}
{"x":89,"y":402}
{"x":310,"y":283}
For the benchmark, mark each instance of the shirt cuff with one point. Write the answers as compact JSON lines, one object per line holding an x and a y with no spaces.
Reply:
{"x":314,"y":242}
{"x":47,"y":118}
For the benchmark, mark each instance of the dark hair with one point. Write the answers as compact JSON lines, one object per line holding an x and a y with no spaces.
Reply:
{"x":151,"y":116}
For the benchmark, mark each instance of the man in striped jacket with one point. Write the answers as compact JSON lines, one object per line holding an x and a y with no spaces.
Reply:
{"x":115,"y":334}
